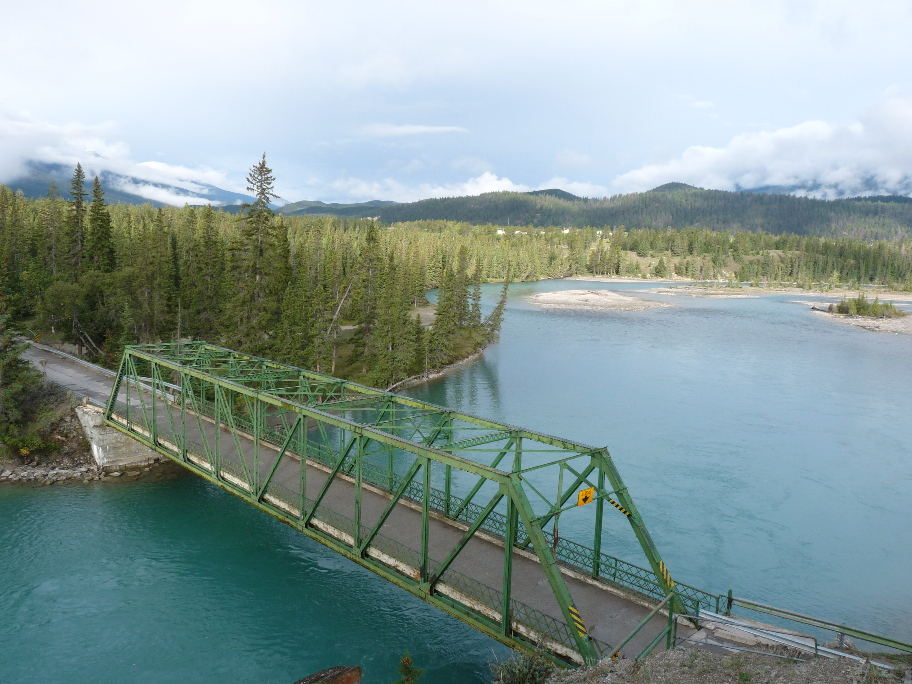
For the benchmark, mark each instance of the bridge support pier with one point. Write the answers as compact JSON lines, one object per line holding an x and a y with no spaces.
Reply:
{"x":112,"y":449}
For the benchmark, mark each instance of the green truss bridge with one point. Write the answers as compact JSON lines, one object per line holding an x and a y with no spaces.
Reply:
{"x":464,"y":512}
{"x":499,"y":526}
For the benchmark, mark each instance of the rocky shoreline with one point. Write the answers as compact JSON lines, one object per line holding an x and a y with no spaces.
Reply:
{"x":47,"y":475}
{"x":51,"y":475}
{"x":72,"y":462}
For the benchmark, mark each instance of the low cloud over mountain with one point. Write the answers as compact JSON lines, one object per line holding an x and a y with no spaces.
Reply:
{"x":33,"y":151}
{"x":872,"y":156}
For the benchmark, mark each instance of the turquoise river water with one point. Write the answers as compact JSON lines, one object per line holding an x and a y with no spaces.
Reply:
{"x":768,"y":450}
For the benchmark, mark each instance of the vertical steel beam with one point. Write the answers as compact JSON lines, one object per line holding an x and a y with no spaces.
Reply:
{"x":599,"y":513}
{"x":555,"y":579}
{"x":302,"y":463}
{"x":425,"y":517}
{"x":506,"y":616}
{"x":359,"y":483}
{"x":256,"y":417}
{"x":447,"y":488}
{"x":183,"y":409}
{"x":153,"y":428}
{"x":217,"y":434}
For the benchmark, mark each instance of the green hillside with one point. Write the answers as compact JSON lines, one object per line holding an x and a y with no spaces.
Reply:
{"x":316,"y":208}
{"x":674,"y":205}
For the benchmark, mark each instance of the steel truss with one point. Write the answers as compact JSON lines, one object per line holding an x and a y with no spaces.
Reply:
{"x":345,"y":464}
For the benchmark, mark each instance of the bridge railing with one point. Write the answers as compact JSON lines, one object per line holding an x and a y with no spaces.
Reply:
{"x":244,"y":403}
{"x":569,"y":553}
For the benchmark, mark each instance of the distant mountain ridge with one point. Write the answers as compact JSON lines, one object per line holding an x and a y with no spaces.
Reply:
{"x":672,"y":205}
{"x":315,"y":207}
{"x":119,"y":188}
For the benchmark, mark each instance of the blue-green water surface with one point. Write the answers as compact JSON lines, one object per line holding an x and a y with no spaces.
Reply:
{"x":769,"y":451}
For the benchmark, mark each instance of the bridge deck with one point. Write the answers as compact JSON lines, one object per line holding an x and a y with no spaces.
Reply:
{"x":608,"y":612}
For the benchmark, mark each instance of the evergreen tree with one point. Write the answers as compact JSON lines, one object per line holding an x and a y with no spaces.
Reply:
{"x":203,"y":281}
{"x":18,"y":379}
{"x":76,"y":222}
{"x":259,"y":265}
{"x":99,"y":245}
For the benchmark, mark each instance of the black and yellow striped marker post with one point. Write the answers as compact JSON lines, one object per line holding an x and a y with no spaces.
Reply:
{"x":619,"y":507}
{"x":666,"y":575}
{"x":578,"y":621}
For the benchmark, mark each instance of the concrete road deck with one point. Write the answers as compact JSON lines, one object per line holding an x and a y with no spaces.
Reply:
{"x":608,"y":614}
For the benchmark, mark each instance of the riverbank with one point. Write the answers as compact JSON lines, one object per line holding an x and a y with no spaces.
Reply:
{"x":593,"y":300}
{"x":434,"y":374}
{"x":686,"y":666}
{"x":72,"y":462}
{"x":897,"y":326}
{"x":695,"y":289}
{"x":46,"y":474}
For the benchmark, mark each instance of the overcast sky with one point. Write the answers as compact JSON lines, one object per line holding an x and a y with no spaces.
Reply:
{"x":403,"y":100}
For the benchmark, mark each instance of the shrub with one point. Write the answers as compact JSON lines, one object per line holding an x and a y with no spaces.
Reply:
{"x":409,"y":672}
{"x":860,"y":306}
{"x":523,"y":668}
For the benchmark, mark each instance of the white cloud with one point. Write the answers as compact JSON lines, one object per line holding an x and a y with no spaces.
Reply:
{"x":355,"y":189}
{"x":578,"y":188}
{"x":388,"y":188}
{"x":158,"y":194}
{"x":381,"y":130}
{"x":24,"y":138}
{"x":870,"y":156}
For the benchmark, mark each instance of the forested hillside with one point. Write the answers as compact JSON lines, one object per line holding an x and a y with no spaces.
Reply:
{"x":674,"y":205}
{"x":331,"y":295}
{"x":340,"y":295}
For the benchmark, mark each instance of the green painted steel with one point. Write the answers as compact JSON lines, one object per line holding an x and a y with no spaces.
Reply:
{"x":293,"y":442}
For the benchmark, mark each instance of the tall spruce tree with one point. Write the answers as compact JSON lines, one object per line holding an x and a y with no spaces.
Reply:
{"x":76,"y":222}
{"x":203,"y":282}
{"x":99,"y":244}
{"x":260,"y":266}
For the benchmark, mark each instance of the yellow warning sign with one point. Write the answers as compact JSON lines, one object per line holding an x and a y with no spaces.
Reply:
{"x":585,"y":496}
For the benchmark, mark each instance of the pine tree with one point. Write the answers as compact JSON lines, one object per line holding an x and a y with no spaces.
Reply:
{"x":17,"y":379}
{"x":99,"y":245}
{"x":76,"y":222}
{"x":495,"y":319}
{"x":260,"y":267}
{"x":203,"y":282}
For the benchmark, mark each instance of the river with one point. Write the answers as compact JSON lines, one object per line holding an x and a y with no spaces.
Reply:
{"x":769,"y":451}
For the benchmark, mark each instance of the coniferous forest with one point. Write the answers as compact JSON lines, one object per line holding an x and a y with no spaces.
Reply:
{"x":674,"y":205}
{"x":339,"y":295}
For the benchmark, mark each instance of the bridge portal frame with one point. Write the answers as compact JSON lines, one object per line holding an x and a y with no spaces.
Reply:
{"x":281,"y":406}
